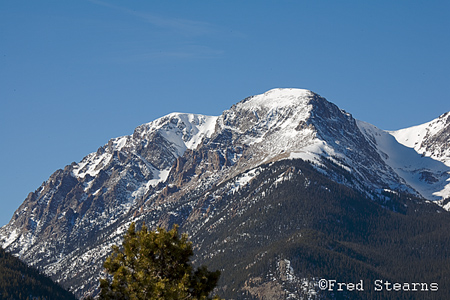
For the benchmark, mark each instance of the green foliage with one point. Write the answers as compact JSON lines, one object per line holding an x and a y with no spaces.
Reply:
{"x":155,"y":265}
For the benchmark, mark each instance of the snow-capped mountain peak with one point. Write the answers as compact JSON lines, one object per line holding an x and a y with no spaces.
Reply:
{"x":277,"y":98}
{"x":177,"y":131}
{"x":181,"y":167}
{"x":275,"y":108}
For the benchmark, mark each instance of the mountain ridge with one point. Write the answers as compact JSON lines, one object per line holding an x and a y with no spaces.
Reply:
{"x":424,"y":138}
{"x":181,"y":167}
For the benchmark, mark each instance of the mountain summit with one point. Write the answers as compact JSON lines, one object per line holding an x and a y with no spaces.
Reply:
{"x":189,"y":169}
{"x":295,"y":123}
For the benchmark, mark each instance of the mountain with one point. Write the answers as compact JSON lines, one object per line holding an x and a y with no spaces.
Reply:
{"x":18,"y":281}
{"x":431,"y":139}
{"x":279,"y":186}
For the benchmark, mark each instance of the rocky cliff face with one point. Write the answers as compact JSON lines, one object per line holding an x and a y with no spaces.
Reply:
{"x":187,"y":169}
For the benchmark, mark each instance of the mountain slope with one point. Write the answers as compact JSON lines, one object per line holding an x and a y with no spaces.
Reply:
{"x":292,"y":123}
{"x":431,"y":139}
{"x":427,"y":175}
{"x":192,"y":170}
{"x":18,"y":281}
{"x":70,"y":209}
{"x":290,"y":214}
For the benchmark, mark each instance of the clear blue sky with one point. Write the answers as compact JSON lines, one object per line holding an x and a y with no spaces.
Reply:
{"x":74,"y":74}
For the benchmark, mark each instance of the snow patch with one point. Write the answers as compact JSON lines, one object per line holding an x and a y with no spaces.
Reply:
{"x":160,"y":176}
{"x":184,"y":131}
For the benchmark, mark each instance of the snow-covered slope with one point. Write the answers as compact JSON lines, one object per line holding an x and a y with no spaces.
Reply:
{"x":431,"y":139}
{"x":427,"y":175}
{"x":178,"y":168}
{"x":176,"y":132}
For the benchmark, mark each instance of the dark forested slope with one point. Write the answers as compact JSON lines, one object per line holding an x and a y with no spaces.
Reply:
{"x":18,"y":281}
{"x":283,"y":239}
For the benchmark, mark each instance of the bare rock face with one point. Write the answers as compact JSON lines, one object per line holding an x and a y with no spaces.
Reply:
{"x":436,"y":143}
{"x":191,"y":170}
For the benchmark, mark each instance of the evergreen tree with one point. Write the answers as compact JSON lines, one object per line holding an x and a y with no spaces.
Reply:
{"x":155,"y":265}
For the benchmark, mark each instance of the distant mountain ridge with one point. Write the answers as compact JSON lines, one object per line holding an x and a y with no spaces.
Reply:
{"x":428,"y":174}
{"x":431,"y":139}
{"x":188,"y":169}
